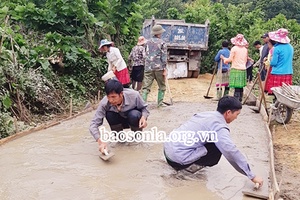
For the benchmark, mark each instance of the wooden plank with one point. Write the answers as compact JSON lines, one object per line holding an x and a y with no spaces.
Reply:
{"x":255,"y":194}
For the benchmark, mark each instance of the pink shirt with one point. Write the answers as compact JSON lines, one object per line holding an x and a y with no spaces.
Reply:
{"x":238,"y":57}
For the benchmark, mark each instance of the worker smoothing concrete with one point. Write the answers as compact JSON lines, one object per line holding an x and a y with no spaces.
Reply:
{"x":206,"y":150}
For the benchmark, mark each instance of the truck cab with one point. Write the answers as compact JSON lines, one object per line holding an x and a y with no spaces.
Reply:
{"x":185,"y":41}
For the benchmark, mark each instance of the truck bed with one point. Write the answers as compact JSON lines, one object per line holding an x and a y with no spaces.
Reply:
{"x":180,"y":35}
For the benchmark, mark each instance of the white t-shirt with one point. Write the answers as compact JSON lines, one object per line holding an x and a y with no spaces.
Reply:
{"x":114,"y":58}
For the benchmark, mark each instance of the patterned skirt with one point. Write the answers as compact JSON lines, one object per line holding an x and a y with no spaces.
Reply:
{"x":123,"y":76}
{"x":222,"y":79}
{"x":274,"y":80}
{"x":237,"y":78}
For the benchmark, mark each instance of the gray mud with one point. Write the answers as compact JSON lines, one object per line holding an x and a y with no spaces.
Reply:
{"x":63,"y":162}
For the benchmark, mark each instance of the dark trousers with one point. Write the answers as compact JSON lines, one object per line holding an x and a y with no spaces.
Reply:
{"x":238,"y":93}
{"x":249,"y":73}
{"x":212,"y":158}
{"x":127,"y":85}
{"x":120,"y":121}
{"x":263,"y":72}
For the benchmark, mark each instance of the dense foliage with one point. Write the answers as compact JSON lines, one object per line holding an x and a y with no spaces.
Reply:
{"x":48,"y":48}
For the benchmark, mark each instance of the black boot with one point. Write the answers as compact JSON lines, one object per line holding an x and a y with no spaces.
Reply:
{"x":226,"y":92}
{"x":236,"y":93}
{"x":241,"y":94}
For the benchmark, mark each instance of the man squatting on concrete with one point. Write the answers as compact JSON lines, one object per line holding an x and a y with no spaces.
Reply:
{"x":203,"y":153}
{"x":122,"y":108}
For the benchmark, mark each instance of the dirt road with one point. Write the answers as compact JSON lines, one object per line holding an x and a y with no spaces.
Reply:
{"x":62,"y":162}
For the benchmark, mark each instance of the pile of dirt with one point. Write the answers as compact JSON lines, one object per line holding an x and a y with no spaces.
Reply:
{"x":287,"y":158}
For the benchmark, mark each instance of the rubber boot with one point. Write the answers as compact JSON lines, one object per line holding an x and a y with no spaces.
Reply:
{"x":226,"y":91}
{"x":160,"y":98}
{"x":236,"y":94}
{"x":145,"y":95}
{"x":219,"y":95}
{"x":241,"y":95}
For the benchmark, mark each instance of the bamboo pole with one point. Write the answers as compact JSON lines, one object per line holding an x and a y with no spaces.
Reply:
{"x":2,"y":37}
{"x":275,"y":185}
{"x":99,"y":95}
{"x":71,"y":107}
{"x":16,"y":124}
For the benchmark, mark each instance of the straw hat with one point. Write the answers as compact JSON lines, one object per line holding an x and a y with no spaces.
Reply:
{"x":157,"y":29}
{"x":281,"y":36}
{"x":141,"y":40}
{"x":239,"y":40}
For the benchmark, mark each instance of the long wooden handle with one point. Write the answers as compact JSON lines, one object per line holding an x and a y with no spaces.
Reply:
{"x":212,"y":78}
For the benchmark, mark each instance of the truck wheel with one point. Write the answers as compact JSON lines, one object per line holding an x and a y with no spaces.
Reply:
{"x":195,"y":73}
{"x":283,"y":114}
{"x":190,"y":74}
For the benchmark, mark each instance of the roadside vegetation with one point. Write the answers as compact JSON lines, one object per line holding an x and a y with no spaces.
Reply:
{"x":48,"y":48}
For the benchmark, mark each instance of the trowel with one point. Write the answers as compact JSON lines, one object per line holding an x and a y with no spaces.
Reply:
{"x":256,"y":191}
{"x":106,"y":155}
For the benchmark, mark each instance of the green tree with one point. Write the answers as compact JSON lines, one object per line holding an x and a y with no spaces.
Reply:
{"x":225,"y":23}
{"x":289,"y":8}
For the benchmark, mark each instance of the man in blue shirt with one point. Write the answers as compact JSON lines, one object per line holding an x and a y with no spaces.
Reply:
{"x":206,"y":138}
{"x":223,"y":72}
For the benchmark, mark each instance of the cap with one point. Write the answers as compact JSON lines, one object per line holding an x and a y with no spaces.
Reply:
{"x":265,"y":35}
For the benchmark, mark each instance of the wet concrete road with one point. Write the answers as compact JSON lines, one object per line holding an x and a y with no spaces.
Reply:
{"x":62,"y":163}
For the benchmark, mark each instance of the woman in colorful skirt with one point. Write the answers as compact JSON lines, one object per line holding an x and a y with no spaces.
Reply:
{"x":238,"y":58}
{"x":223,"y":71}
{"x":116,"y":62}
{"x":281,"y":70}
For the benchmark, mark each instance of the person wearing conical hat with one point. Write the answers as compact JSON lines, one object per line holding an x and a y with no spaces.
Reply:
{"x":155,"y":64}
{"x":282,"y":60}
{"x":238,"y":58}
{"x":115,"y":61}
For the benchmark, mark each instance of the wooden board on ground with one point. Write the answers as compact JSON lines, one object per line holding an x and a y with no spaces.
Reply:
{"x":261,"y":193}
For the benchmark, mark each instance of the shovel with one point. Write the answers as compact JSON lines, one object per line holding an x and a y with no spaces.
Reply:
{"x":212,"y":78}
{"x":169,"y":91}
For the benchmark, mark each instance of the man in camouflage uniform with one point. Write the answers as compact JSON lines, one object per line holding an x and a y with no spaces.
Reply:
{"x":155,"y":64}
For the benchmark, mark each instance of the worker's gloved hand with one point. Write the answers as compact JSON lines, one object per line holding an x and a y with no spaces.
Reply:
{"x":258,"y":180}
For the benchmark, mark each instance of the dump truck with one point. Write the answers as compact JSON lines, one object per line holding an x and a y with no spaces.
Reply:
{"x":185,"y":42}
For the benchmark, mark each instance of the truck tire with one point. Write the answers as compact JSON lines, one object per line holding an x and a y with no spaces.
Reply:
{"x":190,"y":74}
{"x":196,"y":73}
{"x":283,"y":114}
